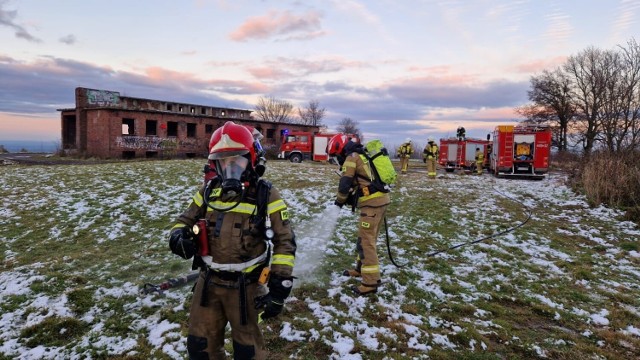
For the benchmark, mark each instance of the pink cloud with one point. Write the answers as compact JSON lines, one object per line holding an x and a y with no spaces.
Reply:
{"x":443,"y":79}
{"x":441,"y":69}
{"x":442,"y":75}
{"x":537,"y":66}
{"x":158,"y":75}
{"x":496,"y":113}
{"x":278,"y":23}
{"x":281,"y":68}
{"x":268,"y":72}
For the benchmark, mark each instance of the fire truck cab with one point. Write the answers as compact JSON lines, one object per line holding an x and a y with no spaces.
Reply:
{"x":521,"y":151}
{"x":301,"y":145}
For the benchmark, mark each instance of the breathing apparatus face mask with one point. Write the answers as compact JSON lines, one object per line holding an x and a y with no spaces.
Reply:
{"x":231,"y":170}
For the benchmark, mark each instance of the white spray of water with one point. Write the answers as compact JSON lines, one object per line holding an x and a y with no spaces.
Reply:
{"x":312,"y":237}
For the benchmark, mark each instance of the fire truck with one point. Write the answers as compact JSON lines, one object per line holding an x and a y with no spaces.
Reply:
{"x":521,"y":151}
{"x":301,"y":145}
{"x":461,"y":154}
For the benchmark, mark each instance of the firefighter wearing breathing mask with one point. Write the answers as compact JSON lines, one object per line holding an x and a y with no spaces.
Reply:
{"x":372,"y":203}
{"x":237,"y":230}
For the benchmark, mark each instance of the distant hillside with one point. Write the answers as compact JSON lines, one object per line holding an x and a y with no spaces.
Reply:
{"x":48,"y":146}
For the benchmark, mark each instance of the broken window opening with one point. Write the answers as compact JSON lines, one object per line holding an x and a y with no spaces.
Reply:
{"x":128,"y":126}
{"x":172,"y":128}
{"x":152,"y":128}
{"x":191,"y":130}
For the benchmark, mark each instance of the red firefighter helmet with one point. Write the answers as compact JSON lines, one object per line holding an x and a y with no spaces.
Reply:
{"x":231,"y":140}
{"x":336,"y":144}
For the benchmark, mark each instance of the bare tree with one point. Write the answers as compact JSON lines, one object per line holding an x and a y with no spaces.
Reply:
{"x":629,"y":100}
{"x":552,"y":104}
{"x":593,"y":99}
{"x":349,"y":126}
{"x":274,"y":110}
{"x":611,"y":121}
{"x":589,"y":87}
{"x":312,"y":114}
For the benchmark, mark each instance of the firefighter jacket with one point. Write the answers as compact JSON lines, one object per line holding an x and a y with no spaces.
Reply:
{"x":233,"y":237}
{"x":356,"y":174}
{"x":405,"y":150}
{"x":430,"y":151}
{"x":479,"y":156}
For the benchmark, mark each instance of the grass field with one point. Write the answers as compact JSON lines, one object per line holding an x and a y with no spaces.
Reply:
{"x":78,"y":242}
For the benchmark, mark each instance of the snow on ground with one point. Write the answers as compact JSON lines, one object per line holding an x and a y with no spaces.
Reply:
{"x":124,"y":201}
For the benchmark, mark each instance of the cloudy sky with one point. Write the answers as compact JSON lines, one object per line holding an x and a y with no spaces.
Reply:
{"x":399,"y":68}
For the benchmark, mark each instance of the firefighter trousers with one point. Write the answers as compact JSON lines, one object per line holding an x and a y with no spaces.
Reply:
{"x":404,"y":164}
{"x":371,"y":219}
{"x":207,"y":323}
{"x":431,"y":167}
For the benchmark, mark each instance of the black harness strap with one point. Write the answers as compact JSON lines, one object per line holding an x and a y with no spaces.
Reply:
{"x":243,"y":299}
{"x":263,"y":190}
{"x":204,"y":297}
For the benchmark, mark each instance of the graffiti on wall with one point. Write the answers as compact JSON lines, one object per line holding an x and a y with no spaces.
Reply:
{"x":189,"y":143}
{"x":146,"y":142}
{"x":102,"y":97}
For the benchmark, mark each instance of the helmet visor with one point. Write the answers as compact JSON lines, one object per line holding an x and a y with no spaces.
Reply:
{"x":232,"y":167}
{"x":228,"y":153}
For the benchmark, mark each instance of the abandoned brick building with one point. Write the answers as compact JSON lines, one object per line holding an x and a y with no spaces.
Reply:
{"x":105,"y":124}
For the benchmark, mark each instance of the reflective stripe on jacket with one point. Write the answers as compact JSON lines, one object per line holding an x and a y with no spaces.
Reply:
{"x":234,"y":239}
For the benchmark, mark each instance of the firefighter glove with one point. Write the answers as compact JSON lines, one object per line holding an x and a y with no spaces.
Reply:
{"x":271,"y":306}
{"x":181,"y":243}
{"x":338,"y":204}
{"x":273,"y":302}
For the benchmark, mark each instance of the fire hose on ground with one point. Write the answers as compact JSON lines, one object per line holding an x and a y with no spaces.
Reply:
{"x":453,"y":247}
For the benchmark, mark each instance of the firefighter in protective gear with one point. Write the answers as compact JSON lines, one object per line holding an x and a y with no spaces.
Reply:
{"x":404,"y":153}
{"x":479,"y":161}
{"x":248,"y":233}
{"x":356,"y":175}
{"x":460,"y":133}
{"x":430,"y":156}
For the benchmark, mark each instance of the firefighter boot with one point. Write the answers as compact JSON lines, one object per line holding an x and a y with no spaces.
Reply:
{"x":364,"y":290}
{"x":352,"y":273}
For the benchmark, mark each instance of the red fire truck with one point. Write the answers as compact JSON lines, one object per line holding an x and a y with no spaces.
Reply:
{"x":521,"y":151}
{"x":301,"y":145}
{"x":461,"y":154}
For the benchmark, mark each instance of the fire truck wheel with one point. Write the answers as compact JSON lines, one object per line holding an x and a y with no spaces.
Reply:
{"x":296,"y":158}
